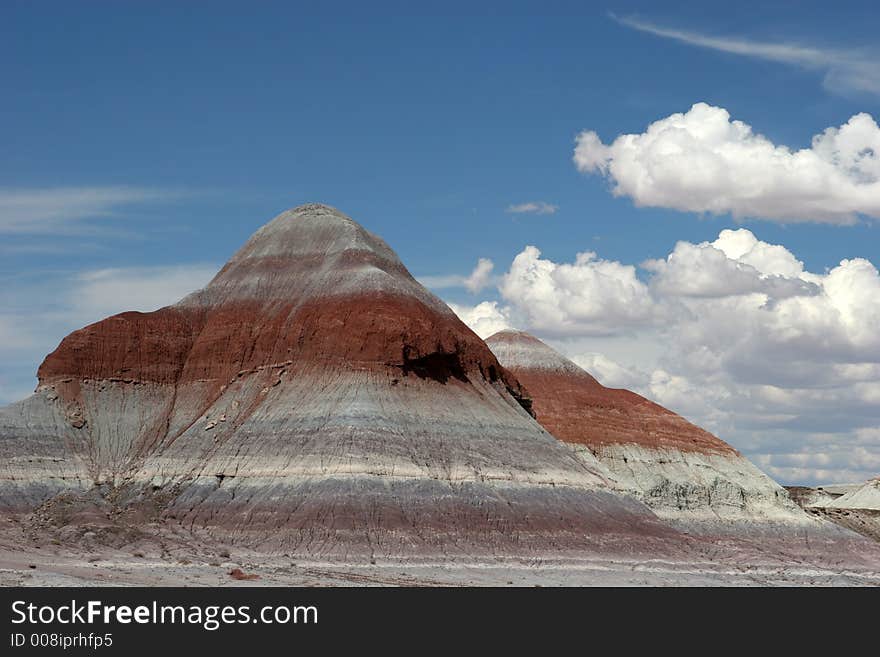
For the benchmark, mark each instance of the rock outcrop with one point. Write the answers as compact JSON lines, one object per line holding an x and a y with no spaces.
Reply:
{"x":312,"y":397}
{"x":685,"y":474}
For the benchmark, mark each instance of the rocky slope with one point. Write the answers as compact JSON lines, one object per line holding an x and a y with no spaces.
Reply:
{"x":312,"y":397}
{"x":685,"y":474}
{"x":854,"y":506}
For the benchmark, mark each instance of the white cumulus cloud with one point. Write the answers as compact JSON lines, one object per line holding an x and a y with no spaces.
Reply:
{"x":702,"y":161}
{"x":588,"y":296}
{"x":485,"y":318}
{"x":735,"y":263}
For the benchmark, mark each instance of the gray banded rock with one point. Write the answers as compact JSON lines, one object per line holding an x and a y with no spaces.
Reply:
{"x":314,"y":397}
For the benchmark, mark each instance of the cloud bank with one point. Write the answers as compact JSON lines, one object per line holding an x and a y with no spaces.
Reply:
{"x":780,"y":361}
{"x":702,"y":161}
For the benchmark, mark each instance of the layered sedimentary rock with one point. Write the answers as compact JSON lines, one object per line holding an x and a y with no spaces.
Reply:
{"x":312,"y":396}
{"x":41,"y":452}
{"x":687,"y":475}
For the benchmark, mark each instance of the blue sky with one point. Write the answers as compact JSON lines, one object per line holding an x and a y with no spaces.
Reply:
{"x":142,"y":136}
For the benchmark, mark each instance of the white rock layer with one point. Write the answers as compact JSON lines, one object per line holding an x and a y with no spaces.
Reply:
{"x":692,"y":488}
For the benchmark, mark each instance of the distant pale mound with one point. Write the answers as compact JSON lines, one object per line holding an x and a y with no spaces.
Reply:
{"x":684,"y":473}
{"x":866,"y":497}
{"x":312,"y":397}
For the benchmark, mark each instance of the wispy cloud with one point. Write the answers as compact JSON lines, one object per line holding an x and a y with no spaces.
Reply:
{"x":44,"y":247}
{"x":479,"y":278}
{"x":532,"y":207}
{"x":104,"y":292}
{"x":66,"y":209}
{"x":845,"y":69}
{"x":37,"y":309}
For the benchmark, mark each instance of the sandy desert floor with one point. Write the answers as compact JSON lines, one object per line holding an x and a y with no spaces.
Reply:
{"x":18,"y":570}
{"x":34,"y":554}
{"x":56,"y":566}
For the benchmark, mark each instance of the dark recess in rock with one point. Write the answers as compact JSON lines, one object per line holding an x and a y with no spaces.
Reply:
{"x":437,"y":366}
